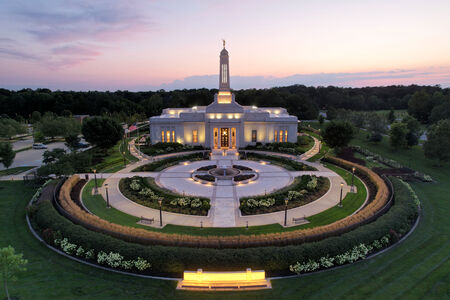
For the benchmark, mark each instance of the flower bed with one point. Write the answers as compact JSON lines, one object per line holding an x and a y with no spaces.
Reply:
{"x":168,"y":162}
{"x":305,"y":189}
{"x":298,"y":148}
{"x":207,"y":168}
{"x":147,"y":193}
{"x":206,"y":177}
{"x":163,"y":148}
{"x":242,"y":168}
{"x":286,"y":163}
{"x":243,"y":177}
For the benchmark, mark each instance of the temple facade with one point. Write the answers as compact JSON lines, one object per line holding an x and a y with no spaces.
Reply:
{"x":224,"y":124}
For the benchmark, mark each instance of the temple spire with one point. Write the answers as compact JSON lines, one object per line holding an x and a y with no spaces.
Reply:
{"x":224,"y":71}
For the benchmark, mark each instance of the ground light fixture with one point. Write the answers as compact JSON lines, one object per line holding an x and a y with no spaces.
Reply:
{"x":160,"y":212}
{"x":107,"y":196}
{"x":286,"y":201}
{"x":95,"y":179}
{"x":352,"y":189}
{"x":340,"y":198}
{"x":124,"y":160}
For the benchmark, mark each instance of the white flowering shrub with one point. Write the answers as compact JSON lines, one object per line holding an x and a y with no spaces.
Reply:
{"x":112,"y":259}
{"x":356,"y":253}
{"x":252,"y":203}
{"x":90,"y":254}
{"x":174,"y":202}
{"x":184,"y":201}
{"x":146,"y":192}
{"x":127,"y":264}
{"x":312,"y":184}
{"x":80,"y":251}
{"x":134,"y":185}
{"x":196,"y":203}
{"x":65,"y":246}
{"x":141,"y":264}
{"x":267,"y":202}
{"x":326,"y":262}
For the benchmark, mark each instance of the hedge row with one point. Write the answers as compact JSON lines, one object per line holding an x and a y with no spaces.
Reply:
{"x":278,"y":160}
{"x":168,"y":162}
{"x":275,"y":260}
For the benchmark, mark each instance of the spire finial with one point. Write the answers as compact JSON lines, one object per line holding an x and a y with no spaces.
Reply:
{"x":223,"y":44}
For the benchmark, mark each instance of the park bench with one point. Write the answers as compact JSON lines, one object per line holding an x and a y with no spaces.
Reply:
{"x":299,"y":220}
{"x":147,"y":220}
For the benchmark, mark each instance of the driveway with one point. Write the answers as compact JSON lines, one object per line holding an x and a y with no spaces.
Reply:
{"x":32,"y":157}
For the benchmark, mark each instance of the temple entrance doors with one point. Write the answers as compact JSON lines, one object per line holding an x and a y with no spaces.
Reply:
{"x":224,"y":137}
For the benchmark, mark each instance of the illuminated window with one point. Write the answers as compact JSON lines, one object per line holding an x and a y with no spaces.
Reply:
{"x":168,"y":136}
{"x":195,"y":136}
{"x":162,"y":136}
{"x":285,"y":135}
{"x":253,"y":136}
{"x":276,"y":136}
{"x":281,"y":136}
{"x":173,"y":136}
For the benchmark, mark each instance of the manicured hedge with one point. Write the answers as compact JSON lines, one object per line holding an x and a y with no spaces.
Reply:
{"x":168,"y":162}
{"x":281,"y":161}
{"x":275,"y":260}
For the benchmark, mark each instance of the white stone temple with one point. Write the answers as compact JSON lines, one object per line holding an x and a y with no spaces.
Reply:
{"x":224,"y":124}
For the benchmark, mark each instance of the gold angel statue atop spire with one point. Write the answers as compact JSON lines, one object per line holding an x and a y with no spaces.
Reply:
{"x":223,"y":43}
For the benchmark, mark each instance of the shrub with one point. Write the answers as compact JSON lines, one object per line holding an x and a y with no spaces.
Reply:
{"x":168,"y":162}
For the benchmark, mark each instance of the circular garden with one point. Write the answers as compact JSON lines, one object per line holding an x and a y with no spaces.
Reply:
{"x":63,"y":222}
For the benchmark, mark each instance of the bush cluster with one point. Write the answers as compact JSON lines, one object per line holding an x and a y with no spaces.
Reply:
{"x":163,"y":148}
{"x":168,"y":162}
{"x":281,"y":161}
{"x":356,"y":253}
{"x":283,"y":147}
{"x":305,"y":189}
{"x":145,"y":192}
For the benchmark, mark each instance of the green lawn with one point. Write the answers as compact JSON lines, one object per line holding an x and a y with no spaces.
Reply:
{"x":351,"y":202}
{"x":416,"y":269}
{"x":14,"y":171}
{"x":114,"y":161}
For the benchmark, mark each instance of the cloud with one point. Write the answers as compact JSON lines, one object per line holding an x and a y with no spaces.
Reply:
{"x":356,"y":79}
{"x":18,"y":54}
{"x":75,"y":50}
{"x":97,"y":20}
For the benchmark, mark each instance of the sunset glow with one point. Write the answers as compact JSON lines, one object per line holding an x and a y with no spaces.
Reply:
{"x":148,"y":45}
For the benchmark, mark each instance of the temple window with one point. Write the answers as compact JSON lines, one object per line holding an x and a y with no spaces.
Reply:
{"x":254,"y":134}
{"x":195,"y":136}
{"x":285,"y":135}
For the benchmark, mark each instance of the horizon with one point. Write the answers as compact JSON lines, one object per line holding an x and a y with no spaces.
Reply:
{"x":148,"y":46}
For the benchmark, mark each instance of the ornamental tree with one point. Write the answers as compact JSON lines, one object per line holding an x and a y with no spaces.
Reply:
{"x":102,"y":131}
{"x":397,"y":135}
{"x":338,"y":134}
{"x":7,"y":154}
{"x":437,"y":145}
{"x":10,"y":264}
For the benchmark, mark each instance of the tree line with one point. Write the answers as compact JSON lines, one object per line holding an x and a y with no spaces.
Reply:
{"x":304,"y":102}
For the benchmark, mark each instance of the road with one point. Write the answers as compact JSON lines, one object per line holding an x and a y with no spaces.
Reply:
{"x":31,"y":157}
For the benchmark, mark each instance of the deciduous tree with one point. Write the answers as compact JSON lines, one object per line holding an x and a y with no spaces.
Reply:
{"x":437,"y":146}
{"x":102,"y":131}
{"x":10,"y":264}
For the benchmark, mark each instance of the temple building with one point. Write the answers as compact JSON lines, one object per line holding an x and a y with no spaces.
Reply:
{"x":224,"y":124}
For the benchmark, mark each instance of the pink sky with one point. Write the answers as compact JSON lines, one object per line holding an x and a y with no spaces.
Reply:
{"x":142,"y":45}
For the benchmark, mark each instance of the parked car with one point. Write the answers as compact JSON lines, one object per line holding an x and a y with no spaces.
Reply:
{"x":39,"y":146}
{"x":83,"y":145}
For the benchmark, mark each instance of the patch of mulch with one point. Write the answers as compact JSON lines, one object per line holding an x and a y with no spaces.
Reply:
{"x":75,"y":192}
{"x":348,"y":154}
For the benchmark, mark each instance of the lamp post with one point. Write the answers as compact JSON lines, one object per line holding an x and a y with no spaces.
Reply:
{"x":107,"y":196}
{"x":95,"y":179}
{"x":352,"y":188}
{"x":124,"y":160}
{"x":286,"y":201}
{"x":340,"y":198}
{"x":160,"y":212}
